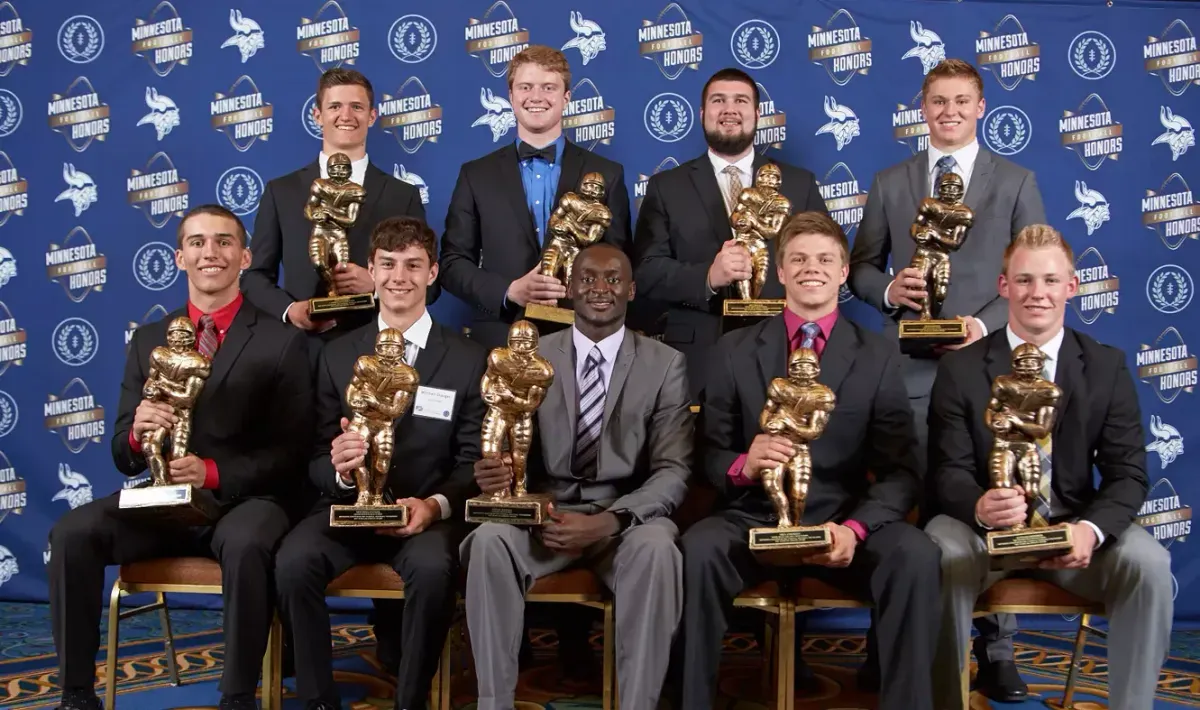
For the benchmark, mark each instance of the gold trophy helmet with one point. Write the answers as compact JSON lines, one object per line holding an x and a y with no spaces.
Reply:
{"x":389,"y":344}
{"x":803,"y":364}
{"x":592,"y":186}
{"x":181,"y":333}
{"x":338,"y":167}
{"x":950,"y":188}
{"x":1027,"y":360}
{"x":523,"y":337}
{"x":769,"y":175}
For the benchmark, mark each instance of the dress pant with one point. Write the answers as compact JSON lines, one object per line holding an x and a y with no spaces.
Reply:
{"x":93,"y":536}
{"x":314,"y":554}
{"x":643,"y":568}
{"x":896,"y":568}
{"x":1131,"y":576}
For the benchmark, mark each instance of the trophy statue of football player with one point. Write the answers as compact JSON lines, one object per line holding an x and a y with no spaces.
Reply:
{"x":579,"y":220}
{"x":177,"y":375}
{"x":940,"y":227}
{"x":332,"y":207}
{"x":758,"y":216}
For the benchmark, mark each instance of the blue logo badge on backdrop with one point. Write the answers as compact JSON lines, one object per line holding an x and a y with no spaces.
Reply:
{"x":1169,"y":289}
{"x":80,"y":39}
{"x":668,"y":117}
{"x":10,"y":112}
{"x":1092,"y":55}
{"x":1007,"y":130}
{"x":311,"y":127}
{"x":239,"y":189}
{"x":755,"y":44}
{"x":75,"y":341}
{"x":154,"y":266}
{"x":9,"y":414}
{"x":412,"y":39}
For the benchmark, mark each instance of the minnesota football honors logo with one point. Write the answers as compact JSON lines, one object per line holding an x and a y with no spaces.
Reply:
{"x":14,"y":197}
{"x":840,"y":47}
{"x":1091,"y":132}
{"x":242,"y":114}
{"x":643,"y":180}
{"x":1172,"y":212}
{"x":771,"y":131}
{"x":1099,"y":291}
{"x":77,"y":265}
{"x":16,"y":40}
{"x":671,"y":42}
{"x":327,"y":38}
{"x":1008,"y":54}
{"x":1163,"y":516}
{"x":844,"y":198}
{"x":13,"y":497}
{"x":79,"y":114}
{"x":156,"y":312}
{"x":496,"y":38}
{"x":12,"y":340}
{"x":909,"y":127}
{"x":1167,"y":366}
{"x":157,"y":190}
{"x":411,"y":116}
{"x":74,"y":415}
{"x":162,"y":39}
{"x":587,"y":118}
{"x":1173,"y":57}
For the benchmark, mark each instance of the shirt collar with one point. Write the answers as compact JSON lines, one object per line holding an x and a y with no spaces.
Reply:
{"x":357,"y":167}
{"x":964,"y":157}
{"x":417,"y":333}
{"x":745,"y":164}
{"x":793,"y":322}
{"x":608,"y":346}
{"x":558,"y":144}
{"x":222,"y":317}
{"x":1051,"y":348}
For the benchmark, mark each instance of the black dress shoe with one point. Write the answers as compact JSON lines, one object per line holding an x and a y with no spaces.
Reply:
{"x":80,"y":700}
{"x":1000,"y":681}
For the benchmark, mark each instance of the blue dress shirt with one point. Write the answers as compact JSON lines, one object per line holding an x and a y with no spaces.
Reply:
{"x":540,"y":180}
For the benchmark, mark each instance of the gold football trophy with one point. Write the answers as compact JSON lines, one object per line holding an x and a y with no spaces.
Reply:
{"x":177,"y":375}
{"x":332,"y":207}
{"x":797,"y":408}
{"x":579,"y":220}
{"x":513,"y":387}
{"x":940,"y":227}
{"x":757,"y":218}
{"x":379,"y":393}
{"x":1021,"y":411}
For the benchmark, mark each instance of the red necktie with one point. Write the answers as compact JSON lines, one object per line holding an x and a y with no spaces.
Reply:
{"x":208,"y":336}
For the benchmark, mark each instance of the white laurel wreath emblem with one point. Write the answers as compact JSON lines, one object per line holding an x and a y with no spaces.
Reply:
{"x":1181,"y":294}
{"x":681,"y":119}
{"x":145,"y":263}
{"x":403,"y":53}
{"x":764,"y":57}
{"x":7,"y":416}
{"x":1000,"y":145}
{"x":1103,"y":58}
{"x":229,"y":197}
{"x":91,"y":41}
{"x":70,"y":354}
{"x":11,"y":115}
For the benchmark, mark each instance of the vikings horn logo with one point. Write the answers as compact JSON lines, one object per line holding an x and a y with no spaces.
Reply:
{"x":81,"y":190}
{"x":499,"y":117}
{"x":77,"y":490}
{"x":589,"y":38}
{"x":248,"y":35}
{"x":930,"y":49}
{"x":1168,"y":443}
{"x":1179,"y":135}
{"x":1092,"y":209}
{"x":843,"y":123}
{"x":164,"y":114}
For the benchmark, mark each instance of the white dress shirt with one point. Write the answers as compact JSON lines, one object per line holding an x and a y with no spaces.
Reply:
{"x":415,"y":338}
{"x":608,"y":348}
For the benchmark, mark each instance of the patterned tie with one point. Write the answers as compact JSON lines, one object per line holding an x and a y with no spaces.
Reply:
{"x":733,"y":187}
{"x":207,"y":342}
{"x":807,"y":336}
{"x":1045,"y":447}
{"x":410,"y":353}
{"x":591,"y":417}
{"x":945,"y":164}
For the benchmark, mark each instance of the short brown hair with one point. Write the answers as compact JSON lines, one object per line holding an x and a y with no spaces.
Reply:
{"x":814,"y":223}
{"x":344,"y":77}
{"x":1038,"y":236}
{"x":399,"y":233}
{"x":215,"y":210}
{"x":950,"y":69}
{"x":729,"y":74}
{"x":547,"y":58}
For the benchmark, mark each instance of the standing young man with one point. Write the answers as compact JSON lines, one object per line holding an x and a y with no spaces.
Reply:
{"x":435,"y":448}
{"x":1005,"y":198}
{"x":256,"y":403}
{"x":496,"y":225}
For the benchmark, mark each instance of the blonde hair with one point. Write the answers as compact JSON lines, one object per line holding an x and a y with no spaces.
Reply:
{"x":814,"y":223}
{"x":950,"y":69}
{"x":547,"y":58}
{"x":1038,"y":236}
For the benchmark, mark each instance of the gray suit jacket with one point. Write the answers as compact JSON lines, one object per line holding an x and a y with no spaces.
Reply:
{"x":1005,"y":199}
{"x":647,"y":437}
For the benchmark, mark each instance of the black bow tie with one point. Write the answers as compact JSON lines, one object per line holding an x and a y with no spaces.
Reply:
{"x":526,"y":151}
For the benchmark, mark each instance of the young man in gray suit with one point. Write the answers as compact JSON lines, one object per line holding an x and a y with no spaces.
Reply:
{"x":613,"y":444}
{"x":1005,"y":199}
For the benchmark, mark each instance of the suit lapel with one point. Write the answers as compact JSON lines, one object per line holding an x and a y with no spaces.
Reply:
{"x":236,"y":338}
{"x":981,"y":175}
{"x":772,"y":351}
{"x":1068,"y":375}
{"x":365,"y":345}
{"x":625,"y":355}
{"x":998,"y":360}
{"x":711,"y":195}
{"x":431,"y":356}
{"x":838,"y":354}
{"x":573,"y":158}
{"x":561,"y":447}
{"x":918,"y":178}
{"x":508,"y":181}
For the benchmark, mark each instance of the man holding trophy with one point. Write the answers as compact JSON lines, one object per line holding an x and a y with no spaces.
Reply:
{"x":238,"y":440}
{"x":845,"y":399}
{"x":418,"y":381}
{"x":612,"y":451}
{"x":1079,"y":409}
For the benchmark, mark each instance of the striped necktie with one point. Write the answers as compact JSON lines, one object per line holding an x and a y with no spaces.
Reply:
{"x":591,"y":417}
{"x":945,"y":164}
{"x":733,"y":187}
{"x":1045,"y":447}
{"x":207,"y":342}
{"x":806,"y":337}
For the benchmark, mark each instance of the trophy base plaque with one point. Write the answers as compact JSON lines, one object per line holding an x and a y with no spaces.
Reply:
{"x":551,"y":314}
{"x":738,"y":313}
{"x":179,"y":502}
{"x":329,"y":306}
{"x":919,"y":337}
{"x":1025,"y":548}
{"x":529,"y":509}
{"x":368,"y":516}
{"x":784,"y":547}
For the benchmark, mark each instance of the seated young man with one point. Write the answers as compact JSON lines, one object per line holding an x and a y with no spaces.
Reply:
{"x":434,"y":450}
{"x":869,"y":430}
{"x":255,"y":403}
{"x":613,"y":444}
{"x":1098,"y":424}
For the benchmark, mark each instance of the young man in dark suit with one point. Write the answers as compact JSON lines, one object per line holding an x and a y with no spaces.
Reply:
{"x":874,"y":554}
{"x":431,"y":473}
{"x":254,"y":405}
{"x":684,"y":253}
{"x":496,"y":224}
{"x":345,"y":109}
{"x":1097,"y":426}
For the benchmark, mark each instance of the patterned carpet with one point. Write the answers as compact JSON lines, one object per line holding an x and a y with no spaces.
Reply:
{"x":28,"y":676}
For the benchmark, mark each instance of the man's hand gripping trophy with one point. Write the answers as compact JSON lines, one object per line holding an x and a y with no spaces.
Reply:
{"x":177,"y":376}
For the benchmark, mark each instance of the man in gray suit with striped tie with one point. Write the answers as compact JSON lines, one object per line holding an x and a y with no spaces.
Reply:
{"x":613,"y":445}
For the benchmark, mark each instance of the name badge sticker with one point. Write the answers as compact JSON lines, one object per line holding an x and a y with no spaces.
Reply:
{"x":433,"y":403}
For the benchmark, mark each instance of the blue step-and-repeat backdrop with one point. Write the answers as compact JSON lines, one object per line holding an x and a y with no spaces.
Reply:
{"x":116,"y":117}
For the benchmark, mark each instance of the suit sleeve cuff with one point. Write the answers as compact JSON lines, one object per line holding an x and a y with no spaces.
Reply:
{"x":285,"y":310}
{"x":134,"y":443}
{"x":211,"y":478}
{"x":736,"y":474}
{"x":1099,"y":534}
{"x":337,"y":477}
{"x":443,"y":505}
{"x":982,"y":326}
{"x":888,"y":305}
{"x":980,"y":523}
{"x":860,"y":530}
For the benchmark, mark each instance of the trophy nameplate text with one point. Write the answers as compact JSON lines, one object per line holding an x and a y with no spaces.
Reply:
{"x":756,"y":219}
{"x":333,"y":206}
